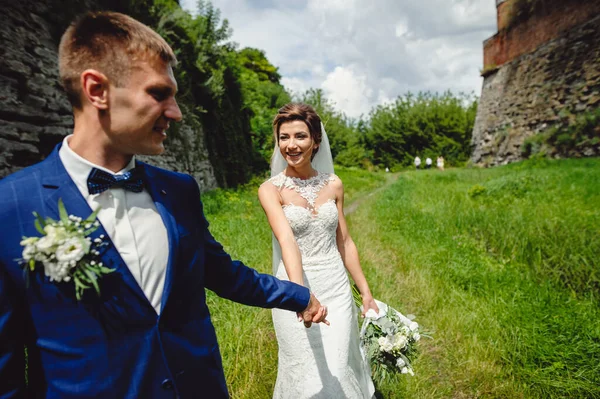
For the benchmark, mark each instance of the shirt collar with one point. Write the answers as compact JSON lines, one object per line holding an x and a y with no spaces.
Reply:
{"x":79,"y":168}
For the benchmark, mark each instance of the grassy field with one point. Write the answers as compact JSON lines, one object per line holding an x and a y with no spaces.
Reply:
{"x":500,"y":264}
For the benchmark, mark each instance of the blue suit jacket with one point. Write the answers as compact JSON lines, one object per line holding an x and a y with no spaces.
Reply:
{"x":114,"y":345}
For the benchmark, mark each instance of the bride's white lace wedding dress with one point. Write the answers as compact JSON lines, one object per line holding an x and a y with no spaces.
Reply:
{"x":321,"y":361}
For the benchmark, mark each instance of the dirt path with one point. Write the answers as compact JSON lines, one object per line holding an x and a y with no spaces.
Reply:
{"x":391,"y":178}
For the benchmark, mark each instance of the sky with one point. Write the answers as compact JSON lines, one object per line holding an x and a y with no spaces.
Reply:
{"x":368,"y":52}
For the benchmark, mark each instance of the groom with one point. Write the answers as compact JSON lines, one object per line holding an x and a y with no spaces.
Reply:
{"x":148,"y":333}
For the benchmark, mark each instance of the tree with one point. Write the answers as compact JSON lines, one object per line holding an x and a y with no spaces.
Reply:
{"x":426,"y":125}
{"x":210,"y":89}
{"x":263,"y":96}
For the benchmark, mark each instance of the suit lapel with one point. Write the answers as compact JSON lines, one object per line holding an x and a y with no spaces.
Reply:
{"x":158,"y":188}
{"x":59,"y":185}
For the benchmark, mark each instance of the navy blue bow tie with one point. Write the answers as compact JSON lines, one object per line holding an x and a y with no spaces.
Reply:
{"x":99,"y":181}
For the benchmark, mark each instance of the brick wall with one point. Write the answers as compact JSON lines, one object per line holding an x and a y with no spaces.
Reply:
{"x":555,"y":18}
{"x":503,"y":13}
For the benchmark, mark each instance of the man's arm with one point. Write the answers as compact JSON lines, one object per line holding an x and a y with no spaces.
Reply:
{"x":12,"y":341}
{"x":235,"y":281}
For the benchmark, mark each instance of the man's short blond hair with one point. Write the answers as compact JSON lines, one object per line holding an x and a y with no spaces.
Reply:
{"x":109,"y":42}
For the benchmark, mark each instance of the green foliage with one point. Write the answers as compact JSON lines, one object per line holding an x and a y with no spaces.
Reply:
{"x":425,"y":125}
{"x":346,"y":136}
{"x":506,"y":187}
{"x":256,"y":61}
{"x":354,"y":155}
{"x":210,"y":92}
{"x":578,"y":132}
{"x":263,"y":95}
{"x":476,"y":190}
{"x":533,"y":146}
{"x":573,"y":134}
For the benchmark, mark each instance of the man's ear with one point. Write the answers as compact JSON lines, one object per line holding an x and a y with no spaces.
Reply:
{"x":94,"y":87}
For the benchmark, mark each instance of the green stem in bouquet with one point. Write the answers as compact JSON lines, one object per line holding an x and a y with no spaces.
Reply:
{"x":356,"y":296}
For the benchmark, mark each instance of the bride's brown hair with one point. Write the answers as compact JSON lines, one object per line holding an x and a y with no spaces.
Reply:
{"x":299,"y":112}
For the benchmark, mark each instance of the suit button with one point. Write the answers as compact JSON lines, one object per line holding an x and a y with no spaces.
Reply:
{"x":167,"y":384}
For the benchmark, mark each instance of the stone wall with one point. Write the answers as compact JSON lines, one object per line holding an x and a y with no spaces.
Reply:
{"x":535,"y":91}
{"x":34,"y":112}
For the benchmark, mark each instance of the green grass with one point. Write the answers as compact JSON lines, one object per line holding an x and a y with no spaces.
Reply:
{"x":500,"y":264}
{"x":505,"y":275}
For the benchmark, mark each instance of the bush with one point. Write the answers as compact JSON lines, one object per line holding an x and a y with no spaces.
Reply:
{"x":353,"y":156}
{"x":476,"y":191}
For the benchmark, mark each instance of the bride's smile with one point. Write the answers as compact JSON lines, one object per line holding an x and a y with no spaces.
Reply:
{"x":296,"y":144}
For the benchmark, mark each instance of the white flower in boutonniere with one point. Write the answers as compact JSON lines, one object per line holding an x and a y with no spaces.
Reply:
{"x":66,"y":251}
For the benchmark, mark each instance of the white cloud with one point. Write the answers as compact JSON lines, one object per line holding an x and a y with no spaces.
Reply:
{"x":365,"y":53}
{"x":348,"y":91}
{"x":401,"y":29}
{"x":295,"y":85}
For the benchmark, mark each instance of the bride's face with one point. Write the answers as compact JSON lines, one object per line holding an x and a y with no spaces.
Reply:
{"x":295,"y":143}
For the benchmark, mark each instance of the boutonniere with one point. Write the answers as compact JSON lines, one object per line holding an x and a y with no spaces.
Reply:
{"x":66,"y":251}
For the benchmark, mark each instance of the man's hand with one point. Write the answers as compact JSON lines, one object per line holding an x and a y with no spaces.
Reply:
{"x":314,"y":312}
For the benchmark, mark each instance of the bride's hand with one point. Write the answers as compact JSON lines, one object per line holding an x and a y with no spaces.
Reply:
{"x":369,"y":303}
{"x":314,"y":312}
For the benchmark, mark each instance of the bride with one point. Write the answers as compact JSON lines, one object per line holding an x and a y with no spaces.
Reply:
{"x":303,"y":201}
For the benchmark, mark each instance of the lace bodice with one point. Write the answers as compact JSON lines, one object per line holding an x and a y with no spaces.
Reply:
{"x":314,"y":233}
{"x":314,"y":228}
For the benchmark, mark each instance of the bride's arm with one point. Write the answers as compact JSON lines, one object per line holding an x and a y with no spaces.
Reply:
{"x":290,"y":253}
{"x":348,"y":251}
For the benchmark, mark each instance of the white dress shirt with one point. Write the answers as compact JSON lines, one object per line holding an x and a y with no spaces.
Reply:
{"x":132,"y":223}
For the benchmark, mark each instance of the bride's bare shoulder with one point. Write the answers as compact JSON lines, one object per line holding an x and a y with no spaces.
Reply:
{"x":335,"y":181}
{"x":269,"y":188}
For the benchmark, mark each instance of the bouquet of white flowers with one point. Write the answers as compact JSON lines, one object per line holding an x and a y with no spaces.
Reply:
{"x":65,"y":250}
{"x":388,"y":340}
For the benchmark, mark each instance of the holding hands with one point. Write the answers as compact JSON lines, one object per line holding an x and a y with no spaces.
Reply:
{"x":314,"y":312}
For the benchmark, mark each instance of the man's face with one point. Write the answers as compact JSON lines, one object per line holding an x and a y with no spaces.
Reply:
{"x":139,"y":112}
